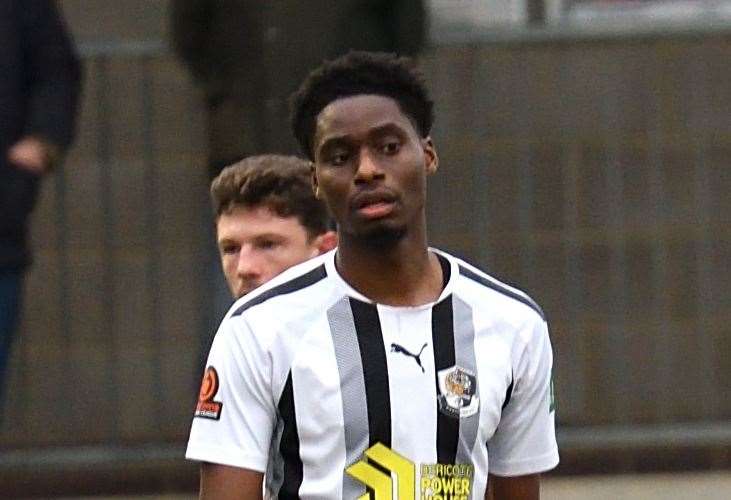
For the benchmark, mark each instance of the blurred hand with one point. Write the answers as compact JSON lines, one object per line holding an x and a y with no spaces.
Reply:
{"x":33,"y":155}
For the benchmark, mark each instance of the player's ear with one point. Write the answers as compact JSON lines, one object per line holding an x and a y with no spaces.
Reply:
{"x":431,"y":159}
{"x":325,"y":242}
{"x":315,"y":183}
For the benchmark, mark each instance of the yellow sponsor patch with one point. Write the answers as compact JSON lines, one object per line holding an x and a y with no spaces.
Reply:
{"x":402,"y":470}
{"x":391,"y":476}
{"x":445,"y":481}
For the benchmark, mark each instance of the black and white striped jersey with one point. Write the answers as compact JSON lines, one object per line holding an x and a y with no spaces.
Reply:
{"x":334,"y":396}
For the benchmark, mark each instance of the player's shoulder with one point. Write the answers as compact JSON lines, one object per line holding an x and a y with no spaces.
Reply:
{"x":486,"y":291}
{"x":300,"y":284}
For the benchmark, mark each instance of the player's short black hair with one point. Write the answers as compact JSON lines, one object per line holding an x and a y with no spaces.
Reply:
{"x":359,"y":73}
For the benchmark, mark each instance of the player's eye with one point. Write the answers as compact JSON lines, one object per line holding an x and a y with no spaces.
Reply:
{"x":229,"y":249}
{"x":267,"y":244}
{"x":391,"y":147}
{"x":338,"y":158}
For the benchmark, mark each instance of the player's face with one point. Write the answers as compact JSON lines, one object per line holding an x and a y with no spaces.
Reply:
{"x":256,"y":244}
{"x":371,"y":166}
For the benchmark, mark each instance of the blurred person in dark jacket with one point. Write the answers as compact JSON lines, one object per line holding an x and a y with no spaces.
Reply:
{"x":39,"y":89}
{"x":250,"y":55}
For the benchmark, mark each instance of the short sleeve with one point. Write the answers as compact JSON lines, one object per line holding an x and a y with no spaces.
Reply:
{"x":235,"y":414}
{"x":525,"y":439}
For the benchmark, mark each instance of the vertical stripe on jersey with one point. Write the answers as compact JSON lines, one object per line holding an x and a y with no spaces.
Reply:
{"x":444,"y":357}
{"x":275,"y":466}
{"x":289,"y":447}
{"x":352,"y":389}
{"x":464,"y":346}
{"x":508,"y":394}
{"x":375,"y":371}
{"x":453,"y":336}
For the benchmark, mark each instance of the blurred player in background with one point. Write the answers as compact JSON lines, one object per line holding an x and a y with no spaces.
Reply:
{"x":267,"y":219}
{"x":249,"y":56}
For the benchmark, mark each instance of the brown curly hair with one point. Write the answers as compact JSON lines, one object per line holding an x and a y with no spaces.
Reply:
{"x":280,"y":183}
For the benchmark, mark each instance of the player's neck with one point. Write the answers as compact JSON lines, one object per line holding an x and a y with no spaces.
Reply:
{"x":405,"y":274}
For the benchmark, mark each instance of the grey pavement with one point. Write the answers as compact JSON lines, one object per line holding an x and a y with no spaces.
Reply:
{"x":681,"y":486}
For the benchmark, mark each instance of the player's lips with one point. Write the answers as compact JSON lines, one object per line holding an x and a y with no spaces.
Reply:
{"x":374,"y":204}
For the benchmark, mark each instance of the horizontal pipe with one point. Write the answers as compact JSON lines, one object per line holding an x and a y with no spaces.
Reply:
{"x":126,"y":48}
{"x":678,"y":435}
{"x":87,"y":456}
{"x":569,"y":438}
{"x":456,"y":33}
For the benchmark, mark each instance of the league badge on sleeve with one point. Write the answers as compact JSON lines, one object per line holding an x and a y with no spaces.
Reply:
{"x":457,"y":392}
{"x":206,"y":407}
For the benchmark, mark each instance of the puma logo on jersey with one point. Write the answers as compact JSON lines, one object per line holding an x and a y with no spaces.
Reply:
{"x":405,"y":352}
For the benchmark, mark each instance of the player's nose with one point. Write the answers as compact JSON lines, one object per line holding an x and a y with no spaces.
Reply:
{"x":368,"y":167}
{"x":249,"y":265}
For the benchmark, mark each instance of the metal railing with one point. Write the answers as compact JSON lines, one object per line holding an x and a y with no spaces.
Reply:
{"x":129,"y":246}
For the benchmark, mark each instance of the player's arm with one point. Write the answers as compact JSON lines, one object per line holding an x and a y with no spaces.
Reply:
{"x":524,"y":443}
{"x":514,"y":488}
{"x":232,"y":428}
{"x":222,"y":482}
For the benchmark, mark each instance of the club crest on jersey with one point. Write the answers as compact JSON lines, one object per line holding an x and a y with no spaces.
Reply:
{"x":206,"y":407}
{"x":457,"y":392}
